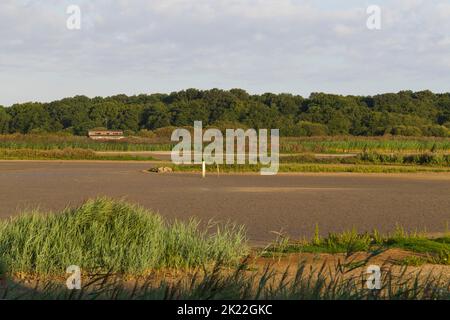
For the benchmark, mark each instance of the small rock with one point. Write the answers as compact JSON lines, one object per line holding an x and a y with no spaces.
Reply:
{"x":161,"y":170}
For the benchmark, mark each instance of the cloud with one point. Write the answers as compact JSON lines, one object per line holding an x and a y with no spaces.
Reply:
{"x":137,"y":46}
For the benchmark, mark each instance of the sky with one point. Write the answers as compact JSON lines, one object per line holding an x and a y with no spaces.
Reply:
{"x":148,"y":46}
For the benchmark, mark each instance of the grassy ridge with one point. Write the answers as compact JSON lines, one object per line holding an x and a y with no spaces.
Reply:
{"x":437,"y":250}
{"x":366,"y":162}
{"x":313,"y":168}
{"x":113,"y":236}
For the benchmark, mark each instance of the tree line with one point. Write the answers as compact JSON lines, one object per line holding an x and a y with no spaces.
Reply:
{"x":404,"y":113}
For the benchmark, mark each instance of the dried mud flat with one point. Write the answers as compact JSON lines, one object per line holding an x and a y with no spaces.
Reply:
{"x":291,"y":203}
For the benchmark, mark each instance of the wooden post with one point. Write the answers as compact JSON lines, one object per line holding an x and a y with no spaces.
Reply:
{"x":203,"y":169}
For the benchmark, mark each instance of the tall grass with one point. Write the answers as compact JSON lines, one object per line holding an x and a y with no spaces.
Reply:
{"x":357,"y":144}
{"x":51,"y":142}
{"x":346,"y":280}
{"x":437,"y":250}
{"x":108,"y":235}
{"x":287,"y":144}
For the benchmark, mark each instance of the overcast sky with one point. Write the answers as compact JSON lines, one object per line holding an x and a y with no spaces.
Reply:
{"x":146,"y":46}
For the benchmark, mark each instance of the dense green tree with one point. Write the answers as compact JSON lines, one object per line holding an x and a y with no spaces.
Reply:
{"x":260,"y":116}
{"x":29,"y":116}
{"x":338,"y":123}
{"x":156,"y":115}
{"x":184,"y":113}
{"x":128,"y":118}
{"x":4,"y":121}
{"x":287,"y":104}
{"x":402,"y":113}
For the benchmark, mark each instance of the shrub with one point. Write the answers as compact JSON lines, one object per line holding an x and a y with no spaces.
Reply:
{"x":435,"y":131}
{"x":310,"y":129}
{"x":144,"y":133}
{"x":411,"y":131}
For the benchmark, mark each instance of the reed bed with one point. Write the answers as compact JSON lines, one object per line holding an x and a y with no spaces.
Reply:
{"x":52,"y":142}
{"x":287,"y":144}
{"x":358,"y":144}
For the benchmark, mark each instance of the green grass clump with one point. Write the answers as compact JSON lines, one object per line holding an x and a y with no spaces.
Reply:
{"x":115,"y":236}
{"x":350,"y":241}
{"x":436,"y":250}
{"x":413,"y":261}
{"x":418,"y":244}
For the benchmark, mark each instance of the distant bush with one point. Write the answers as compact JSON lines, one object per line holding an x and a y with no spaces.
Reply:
{"x":144,"y":133}
{"x":165,"y":132}
{"x":417,"y":159}
{"x":407,"y":131}
{"x":435,"y":131}
{"x":311,"y":129}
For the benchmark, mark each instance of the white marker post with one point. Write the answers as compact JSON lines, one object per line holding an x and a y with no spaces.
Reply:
{"x":203,"y":169}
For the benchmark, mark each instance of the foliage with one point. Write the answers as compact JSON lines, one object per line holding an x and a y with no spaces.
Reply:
{"x":405,"y":113}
